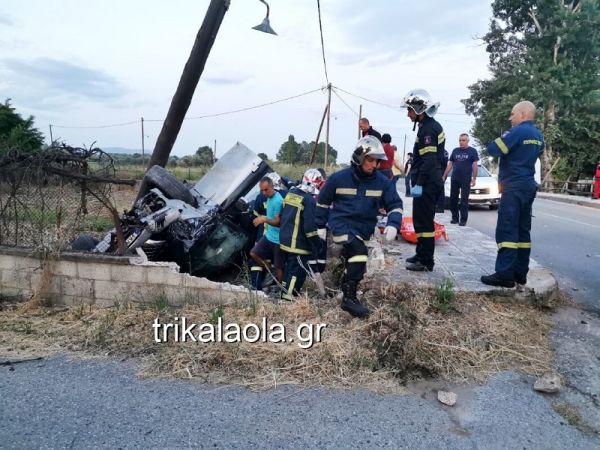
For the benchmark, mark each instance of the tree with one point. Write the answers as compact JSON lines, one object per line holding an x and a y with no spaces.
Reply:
{"x":204,"y":156}
{"x":16,"y":132}
{"x":289,"y":151}
{"x":545,"y":51}
{"x":263,"y":156}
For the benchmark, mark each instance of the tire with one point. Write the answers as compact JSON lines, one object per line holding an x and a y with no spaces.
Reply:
{"x":84,"y":242}
{"x":493,"y":207}
{"x":159,"y":177}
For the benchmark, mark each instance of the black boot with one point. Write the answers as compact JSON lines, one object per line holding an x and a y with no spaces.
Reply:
{"x":520,"y":279}
{"x":350,"y":303}
{"x":413,"y":259}
{"x":496,"y":280}
{"x":419,"y":267}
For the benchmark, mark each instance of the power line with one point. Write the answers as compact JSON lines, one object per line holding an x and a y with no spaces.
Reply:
{"x":368,"y":99}
{"x":395,"y":107}
{"x":344,"y":102}
{"x":245,"y":109}
{"x":322,"y":44}
{"x":98,"y":126}
{"x":199,"y":117}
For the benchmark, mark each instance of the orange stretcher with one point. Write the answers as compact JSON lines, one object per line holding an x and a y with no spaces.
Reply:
{"x":407,"y":230}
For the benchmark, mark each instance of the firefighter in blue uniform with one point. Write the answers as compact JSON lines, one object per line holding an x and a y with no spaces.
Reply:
{"x":348,"y":205}
{"x":426,"y":175}
{"x":518,"y":149}
{"x":298,"y":238}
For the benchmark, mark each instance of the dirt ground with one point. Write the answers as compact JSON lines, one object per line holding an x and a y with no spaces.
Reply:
{"x":412,"y":334}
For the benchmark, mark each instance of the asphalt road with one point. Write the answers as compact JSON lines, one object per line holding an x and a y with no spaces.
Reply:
{"x":101,"y":404}
{"x":565,"y":239}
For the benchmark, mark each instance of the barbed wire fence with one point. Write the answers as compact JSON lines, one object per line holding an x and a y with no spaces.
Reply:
{"x":50,"y":197}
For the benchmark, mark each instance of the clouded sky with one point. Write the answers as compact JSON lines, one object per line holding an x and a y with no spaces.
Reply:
{"x":78,"y":64}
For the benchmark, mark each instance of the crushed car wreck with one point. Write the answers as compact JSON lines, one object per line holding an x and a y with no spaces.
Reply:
{"x":202,"y":227}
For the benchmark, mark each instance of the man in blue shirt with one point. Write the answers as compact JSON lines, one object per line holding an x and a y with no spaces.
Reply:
{"x":267,"y":247}
{"x":518,"y":149}
{"x":463,"y":164}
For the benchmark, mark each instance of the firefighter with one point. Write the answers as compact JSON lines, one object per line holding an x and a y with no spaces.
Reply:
{"x":298,"y":236}
{"x":518,"y":149}
{"x":348,"y":204}
{"x":426,"y":175}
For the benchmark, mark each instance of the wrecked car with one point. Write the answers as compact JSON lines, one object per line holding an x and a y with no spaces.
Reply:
{"x":203,"y":227}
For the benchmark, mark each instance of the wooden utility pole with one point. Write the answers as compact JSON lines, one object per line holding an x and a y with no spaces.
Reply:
{"x":187,"y":84}
{"x":314,"y":150}
{"x":143,"y":150}
{"x":327,"y":129}
{"x":359,"y":117}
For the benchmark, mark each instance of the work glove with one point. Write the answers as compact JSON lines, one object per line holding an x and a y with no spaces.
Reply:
{"x":322,"y":233}
{"x":390,"y":233}
{"x":416,"y":191}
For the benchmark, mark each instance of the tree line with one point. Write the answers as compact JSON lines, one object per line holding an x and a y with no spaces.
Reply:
{"x":548,"y":52}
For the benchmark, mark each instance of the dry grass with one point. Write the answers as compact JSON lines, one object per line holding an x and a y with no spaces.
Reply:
{"x":405,"y":338}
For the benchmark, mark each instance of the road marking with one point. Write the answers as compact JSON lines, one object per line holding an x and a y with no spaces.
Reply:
{"x":568,"y":220}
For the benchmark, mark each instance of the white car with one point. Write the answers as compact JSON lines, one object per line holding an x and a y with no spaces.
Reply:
{"x":485,"y":191}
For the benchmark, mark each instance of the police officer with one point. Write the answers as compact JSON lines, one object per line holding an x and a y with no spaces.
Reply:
{"x":298,"y":236}
{"x":518,"y":149}
{"x":348,"y":205}
{"x":426,"y":175}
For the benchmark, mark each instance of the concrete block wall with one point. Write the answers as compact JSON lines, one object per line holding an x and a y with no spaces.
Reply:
{"x":83,"y":278}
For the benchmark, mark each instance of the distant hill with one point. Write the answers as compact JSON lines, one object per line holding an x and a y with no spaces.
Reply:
{"x":126,"y":151}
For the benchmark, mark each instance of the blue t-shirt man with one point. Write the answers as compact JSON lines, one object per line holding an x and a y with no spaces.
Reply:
{"x":462,"y":163}
{"x":274,"y":207}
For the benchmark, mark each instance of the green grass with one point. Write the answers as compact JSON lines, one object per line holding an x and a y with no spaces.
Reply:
{"x":445,"y":296}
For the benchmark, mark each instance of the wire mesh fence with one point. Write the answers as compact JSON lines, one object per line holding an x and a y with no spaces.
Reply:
{"x":50,"y":197}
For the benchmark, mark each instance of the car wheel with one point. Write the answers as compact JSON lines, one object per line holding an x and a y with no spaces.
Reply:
{"x":170,"y":186}
{"x":84,"y":242}
{"x":493,"y":207}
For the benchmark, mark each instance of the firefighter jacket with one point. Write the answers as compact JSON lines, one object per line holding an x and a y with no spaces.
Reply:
{"x":260,"y":209}
{"x":428,"y":153}
{"x":518,"y":149}
{"x":298,"y":229}
{"x":350,"y":201}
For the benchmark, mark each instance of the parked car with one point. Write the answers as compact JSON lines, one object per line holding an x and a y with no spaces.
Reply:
{"x":485,"y":191}
{"x":203,"y":227}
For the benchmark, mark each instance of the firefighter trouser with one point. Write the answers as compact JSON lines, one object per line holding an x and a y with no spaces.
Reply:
{"x":512,"y":233}
{"x":355,"y":254}
{"x":423,"y":214}
{"x":318,"y":264}
{"x":464,"y":186}
{"x":294,"y":274}
{"x":257,"y":274}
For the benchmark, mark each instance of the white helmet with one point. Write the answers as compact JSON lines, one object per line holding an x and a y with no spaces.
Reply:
{"x":368,"y":146}
{"x":311,"y":181}
{"x":420,"y":102}
{"x":276,"y":179}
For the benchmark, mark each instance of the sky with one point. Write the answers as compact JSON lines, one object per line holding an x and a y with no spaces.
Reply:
{"x":82,"y":66}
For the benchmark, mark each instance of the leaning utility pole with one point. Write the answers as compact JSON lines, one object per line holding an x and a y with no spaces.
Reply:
{"x":327,"y":129}
{"x":187,"y":83}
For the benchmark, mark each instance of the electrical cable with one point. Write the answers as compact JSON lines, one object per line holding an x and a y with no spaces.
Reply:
{"x":344,"y":102}
{"x":99,"y":126}
{"x":322,"y":44}
{"x":243,"y":109}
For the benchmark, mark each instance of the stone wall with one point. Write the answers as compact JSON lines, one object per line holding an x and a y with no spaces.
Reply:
{"x":84,"y":278}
